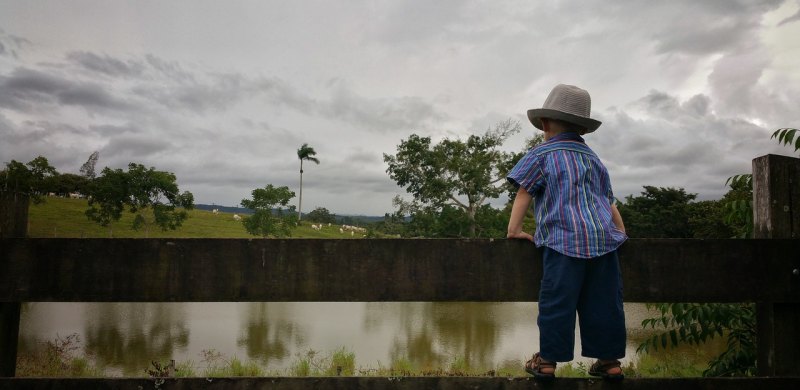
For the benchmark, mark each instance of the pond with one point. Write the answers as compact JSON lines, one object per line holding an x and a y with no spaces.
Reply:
{"x":125,"y":337}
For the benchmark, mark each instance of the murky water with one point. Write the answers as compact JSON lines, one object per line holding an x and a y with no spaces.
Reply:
{"x":126,"y":337}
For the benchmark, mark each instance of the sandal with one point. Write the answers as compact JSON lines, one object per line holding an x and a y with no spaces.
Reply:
{"x":601,"y":370}
{"x":535,"y":365}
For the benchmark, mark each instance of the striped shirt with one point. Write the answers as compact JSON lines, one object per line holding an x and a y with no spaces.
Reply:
{"x":572,"y":197}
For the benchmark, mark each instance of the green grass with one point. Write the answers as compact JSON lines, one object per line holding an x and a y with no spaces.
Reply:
{"x":58,"y":358}
{"x":65,"y":218}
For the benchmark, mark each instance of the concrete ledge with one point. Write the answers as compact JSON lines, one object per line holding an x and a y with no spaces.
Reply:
{"x":399,"y":383}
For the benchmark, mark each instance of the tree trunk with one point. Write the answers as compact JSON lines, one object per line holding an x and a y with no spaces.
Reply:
{"x":300,"y":203}
{"x":472,"y":223}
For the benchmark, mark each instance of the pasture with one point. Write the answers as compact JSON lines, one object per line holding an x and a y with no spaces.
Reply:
{"x":64,"y":218}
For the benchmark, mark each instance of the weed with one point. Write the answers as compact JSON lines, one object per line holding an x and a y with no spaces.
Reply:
{"x":343,"y":363}
{"x":56,"y":359}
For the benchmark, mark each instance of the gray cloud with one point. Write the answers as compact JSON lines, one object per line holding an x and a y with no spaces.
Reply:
{"x":105,"y":65}
{"x":11,"y":44}
{"x":379,"y":114}
{"x":697,"y":87}
{"x":28,"y":89}
{"x":676,"y":143}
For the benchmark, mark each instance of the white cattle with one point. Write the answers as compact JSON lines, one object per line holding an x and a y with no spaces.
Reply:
{"x":215,"y":211}
{"x":237,"y":217}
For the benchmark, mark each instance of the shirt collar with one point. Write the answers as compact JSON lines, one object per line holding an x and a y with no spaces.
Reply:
{"x":567,"y":136}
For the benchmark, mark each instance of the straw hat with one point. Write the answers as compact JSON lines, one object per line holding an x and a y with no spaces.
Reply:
{"x":567,"y":103}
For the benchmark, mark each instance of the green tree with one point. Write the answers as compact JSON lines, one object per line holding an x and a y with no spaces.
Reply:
{"x":658,"y":213}
{"x":269,"y":217}
{"x":462,"y":175}
{"x":707,"y":220}
{"x":66,"y":183}
{"x":151,"y":195}
{"x":304,"y":153}
{"x":322,"y":215}
{"x":738,"y":205}
{"x":30,"y":179}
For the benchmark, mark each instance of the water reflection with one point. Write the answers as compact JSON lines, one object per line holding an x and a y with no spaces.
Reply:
{"x":125,"y":337}
{"x":268,"y":335}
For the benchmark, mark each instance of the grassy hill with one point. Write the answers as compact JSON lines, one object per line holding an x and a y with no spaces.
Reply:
{"x":60,"y":217}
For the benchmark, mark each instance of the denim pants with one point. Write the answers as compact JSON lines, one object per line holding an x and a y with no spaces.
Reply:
{"x":593,"y":289}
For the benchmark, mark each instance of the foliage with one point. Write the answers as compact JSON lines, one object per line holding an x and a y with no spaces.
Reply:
{"x":152,"y":196}
{"x":322,"y":215}
{"x":454,"y":174}
{"x":56,"y":358}
{"x":161,"y":370}
{"x":269,"y":218}
{"x":218,"y":366}
{"x":707,"y":220}
{"x":658,"y":213}
{"x":786,"y":136}
{"x":66,"y":183}
{"x":697,"y":323}
{"x":738,"y":204}
{"x":307,"y":153}
{"x":30,"y":179}
{"x":739,"y":201}
{"x":340,"y":363}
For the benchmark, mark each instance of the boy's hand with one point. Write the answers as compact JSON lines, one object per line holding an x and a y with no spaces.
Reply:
{"x":520,"y":235}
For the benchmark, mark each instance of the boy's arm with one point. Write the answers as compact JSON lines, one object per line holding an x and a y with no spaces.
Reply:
{"x":521,"y":204}
{"x":617,"y":218}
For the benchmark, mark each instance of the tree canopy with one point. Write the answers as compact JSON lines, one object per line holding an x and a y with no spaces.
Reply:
{"x":153,"y":196}
{"x":321,"y":214}
{"x":658,"y":213}
{"x":462,"y":175}
{"x":269,"y":216}
{"x":30,"y":179}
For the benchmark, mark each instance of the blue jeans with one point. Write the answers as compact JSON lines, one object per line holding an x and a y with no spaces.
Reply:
{"x":593,"y":289}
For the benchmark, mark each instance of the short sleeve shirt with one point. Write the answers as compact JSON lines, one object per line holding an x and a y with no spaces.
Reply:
{"x":572,"y":197}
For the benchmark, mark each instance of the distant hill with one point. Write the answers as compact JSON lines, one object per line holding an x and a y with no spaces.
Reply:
{"x":223,"y":209}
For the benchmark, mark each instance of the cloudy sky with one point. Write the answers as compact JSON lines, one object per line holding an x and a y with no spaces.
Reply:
{"x":223,"y":93}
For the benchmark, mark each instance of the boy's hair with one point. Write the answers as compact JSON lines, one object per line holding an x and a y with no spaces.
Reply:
{"x":568,"y":126}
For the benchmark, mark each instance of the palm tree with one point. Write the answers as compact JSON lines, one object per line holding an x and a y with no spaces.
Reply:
{"x":304,"y":153}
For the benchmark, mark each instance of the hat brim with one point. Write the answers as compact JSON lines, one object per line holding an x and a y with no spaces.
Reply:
{"x":535,"y":116}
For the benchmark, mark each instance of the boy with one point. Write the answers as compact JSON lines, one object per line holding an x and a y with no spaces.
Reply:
{"x":580,"y":229}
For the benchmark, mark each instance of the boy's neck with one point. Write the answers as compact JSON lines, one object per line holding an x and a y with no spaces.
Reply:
{"x":548,"y":135}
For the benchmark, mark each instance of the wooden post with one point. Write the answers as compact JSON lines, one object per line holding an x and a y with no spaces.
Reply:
{"x":13,"y":223}
{"x":776,"y":214}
